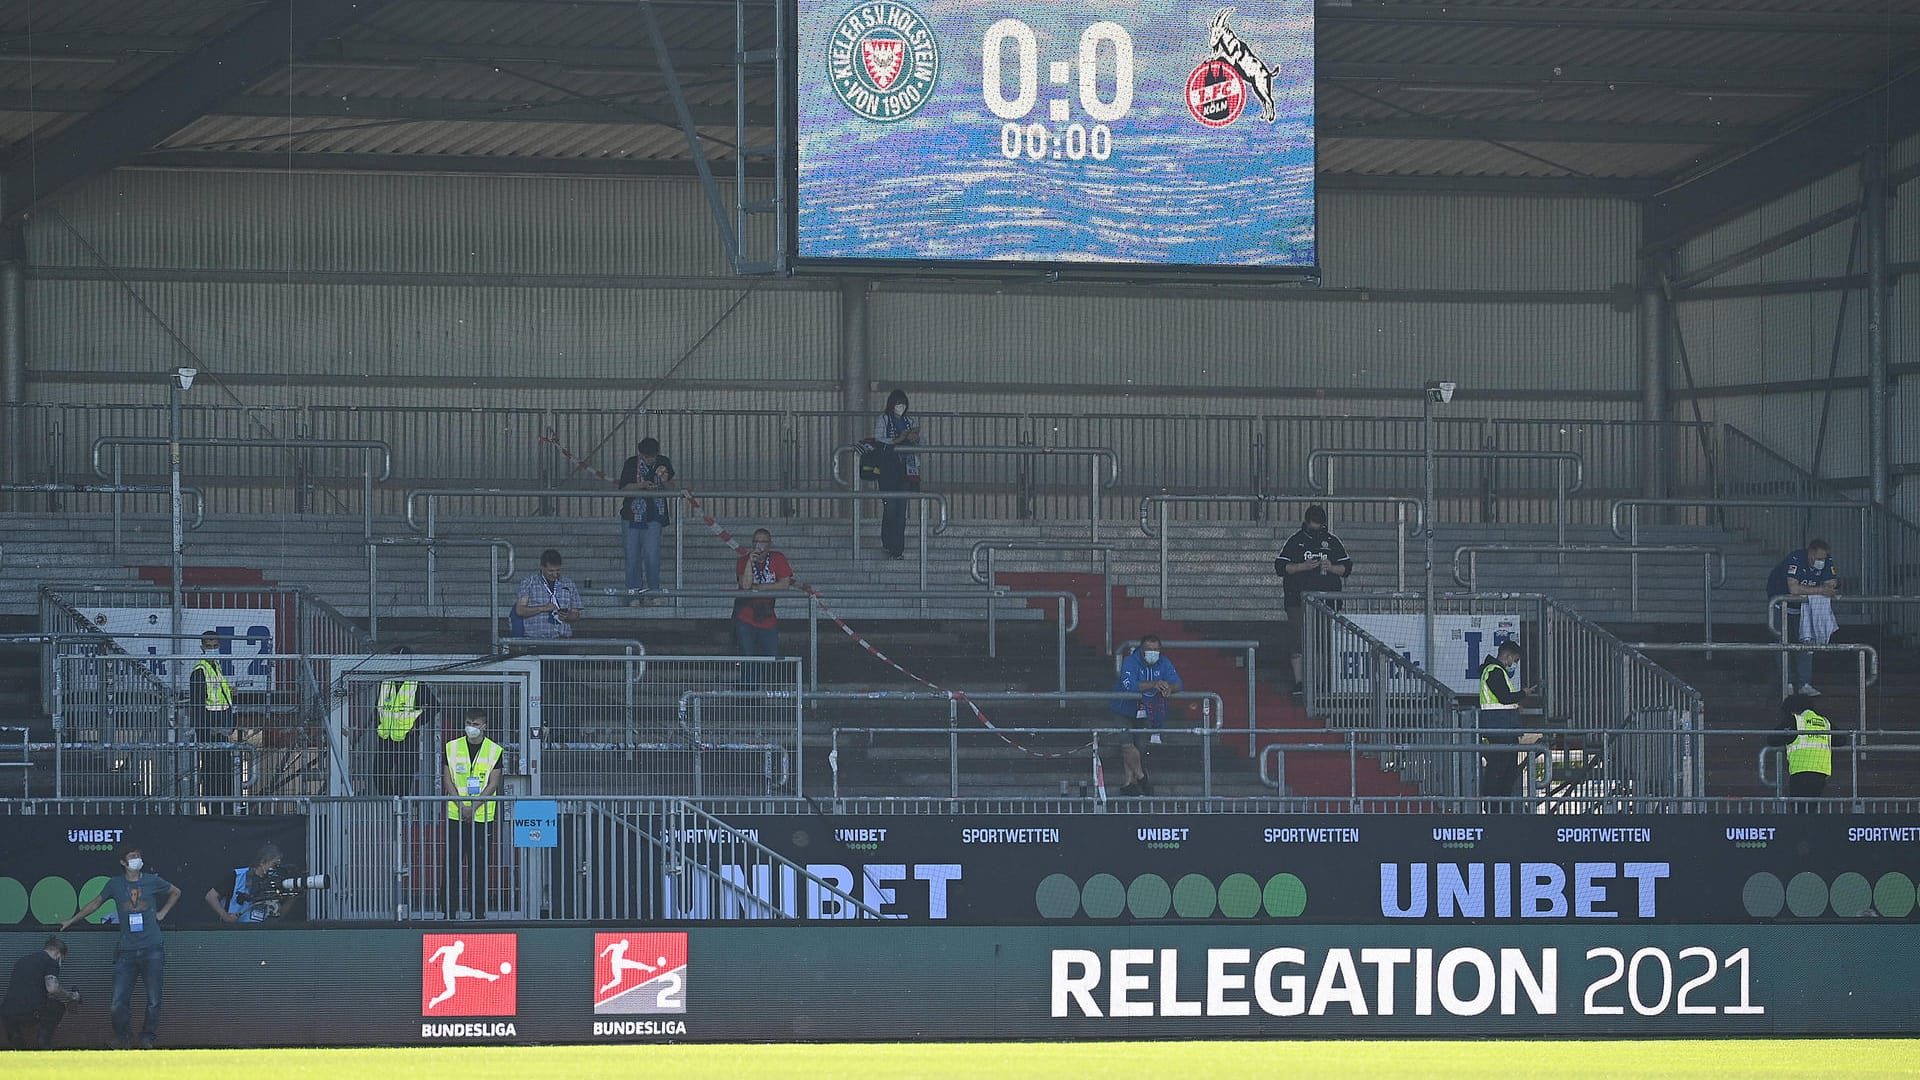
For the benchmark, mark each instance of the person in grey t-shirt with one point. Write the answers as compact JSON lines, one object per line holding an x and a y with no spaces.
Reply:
{"x":140,"y":901}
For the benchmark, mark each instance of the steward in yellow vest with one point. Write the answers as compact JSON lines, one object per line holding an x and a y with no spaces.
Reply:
{"x":472,"y":773}
{"x":1810,"y":741}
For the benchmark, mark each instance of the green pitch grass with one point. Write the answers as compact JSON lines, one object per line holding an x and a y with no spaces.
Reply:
{"x":1742,"y":1059}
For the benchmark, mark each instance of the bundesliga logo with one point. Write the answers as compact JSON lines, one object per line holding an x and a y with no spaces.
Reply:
{"x":640,"y":973}
{"x":469,"y":975}
{"x":882,"y":61}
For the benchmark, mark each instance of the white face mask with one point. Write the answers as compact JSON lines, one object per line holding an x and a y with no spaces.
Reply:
{"x":475,"y":732}
{"x":1819,"y":564}
{"x":899,"y":410}
{"x":1151,"y":656}
{"x":134,"y":864}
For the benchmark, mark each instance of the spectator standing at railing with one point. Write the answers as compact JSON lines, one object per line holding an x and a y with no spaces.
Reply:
{"x":1810,"y":741}
{"x":642,"y":520}
{"x":1500,"y":726}
{"x":899,"y":470}
{"x":1810,"y":572}
{"x":1313,"y":560}
{"x":1148,"y":677}
{"x":210,"y":697}
{"x":756,"y":626}
{"x":548,"y":603}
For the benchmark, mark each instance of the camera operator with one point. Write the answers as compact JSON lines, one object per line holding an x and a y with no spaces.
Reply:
{"x":35,"y":1001}
{"x":255,"y":897}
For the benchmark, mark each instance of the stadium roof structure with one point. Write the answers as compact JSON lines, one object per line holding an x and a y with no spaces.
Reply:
{"x":1701,"y":107}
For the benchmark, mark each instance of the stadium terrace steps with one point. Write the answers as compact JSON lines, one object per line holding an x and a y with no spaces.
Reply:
{"x":1221,"y":672}
{"x":1222,"y":569}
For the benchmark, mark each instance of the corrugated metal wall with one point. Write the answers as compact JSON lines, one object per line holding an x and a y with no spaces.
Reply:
{"x":1744,"y":346}
{"x":365,"y":293}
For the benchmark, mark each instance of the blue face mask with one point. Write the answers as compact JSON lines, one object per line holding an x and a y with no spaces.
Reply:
{"x":1151,"y":656}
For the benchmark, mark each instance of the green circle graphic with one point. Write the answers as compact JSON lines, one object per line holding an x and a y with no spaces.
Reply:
{"x":1193,"y":897}
{"x":1285,"y":896}
{"x":1148,"y":897}
{"x":93,"y":888}
{"x":1057,"y":897}
{"x":1807,"y":895}
{"x":1764,"y":895}
{"x":53,"y":900}
{"x":1852,"y":896}
{"x":1240,"y":896}
{"x":1103,"y":897}
{"x":13,"y":901}
{"x":1893,"y":895}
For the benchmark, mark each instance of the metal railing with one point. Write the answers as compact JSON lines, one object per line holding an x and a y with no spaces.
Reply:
{"x":1866,"y":662}
{"x":987,"y":575}
{"x":1768,"y":766}
{"x":1777,"y":622}
{"x":1464,"y":752}
{"x":1562,"y":459}
{"x":1160,"y":526}
{"x":1354,"y":681}
{"x":198,"y":497}
{"x":1590,"y":680}
{"x":1707,"y":552}
{"x":370,"y":451}
{"x":1202,"y":738}
{"x":495,"y":576}
{"x":1213,"y":716}
{"x":1249,"y":649}
{"x":633,"y":859}
{"x":8,"y":743}
{"x":428,"y":521}
{"x":1094,"y":455}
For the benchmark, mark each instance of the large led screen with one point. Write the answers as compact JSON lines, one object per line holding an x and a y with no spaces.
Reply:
{"x":1133,"y":134}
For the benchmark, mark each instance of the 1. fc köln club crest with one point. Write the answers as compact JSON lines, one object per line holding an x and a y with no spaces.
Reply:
{"x":882,"y":61}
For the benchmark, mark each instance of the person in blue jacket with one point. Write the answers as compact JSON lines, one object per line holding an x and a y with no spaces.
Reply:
{"x":1149,"y":679}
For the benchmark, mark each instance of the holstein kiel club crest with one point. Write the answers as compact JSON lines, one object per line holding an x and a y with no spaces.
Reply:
{"x":882,"y":61}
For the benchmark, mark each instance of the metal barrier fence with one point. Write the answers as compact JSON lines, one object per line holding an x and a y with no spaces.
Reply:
{"x":742,"y":448}
{"x":1778,"y":623}
{"x":1707,"y":552}
{"x":1356,"y":682}
{"x":1493,"y":493}
{"x":988,"y":576}
{"x":1590,"y":680}
{"x":635,"y":859}
{"x":1155,"y":510}
{"x":1095,"y":457}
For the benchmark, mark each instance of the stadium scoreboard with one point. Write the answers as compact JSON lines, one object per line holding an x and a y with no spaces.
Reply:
{"x":1133,"y":137}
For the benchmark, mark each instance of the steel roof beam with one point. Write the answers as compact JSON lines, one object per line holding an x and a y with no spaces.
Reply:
{"x":1678,"y":78}
{"x":429,"y":111}
{"x":1579,"y":15}
{"x":1747,"y":179}
{"x":226,"y":65}
{"x":1536,"y":131}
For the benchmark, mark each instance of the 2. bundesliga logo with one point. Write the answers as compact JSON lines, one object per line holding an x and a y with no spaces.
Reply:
{"x":882,"y":61}
{"x":639,"y":973}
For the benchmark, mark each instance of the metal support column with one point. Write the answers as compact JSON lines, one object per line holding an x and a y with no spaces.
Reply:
{"x":854,"y":381}
{"x":1873,"y":174}
{"x":1426,"y":519}
{"x":175,"y":391}
{"x":13,"y":351}
{"x":1655,"y":393}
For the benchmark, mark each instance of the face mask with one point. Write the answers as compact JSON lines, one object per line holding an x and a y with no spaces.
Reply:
{"x":899,"y":410}
{"x":134,"y":864}
{"x":1819,"y":564}
{"x":1151,"y":656}
{"x":762,"y":547}
{"x":475,"y":732}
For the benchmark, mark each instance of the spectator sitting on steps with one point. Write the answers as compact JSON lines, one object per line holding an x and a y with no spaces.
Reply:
{"x":1149,"y":679}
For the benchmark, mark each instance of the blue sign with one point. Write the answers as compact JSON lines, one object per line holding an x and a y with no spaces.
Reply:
{"x":536,"y":823}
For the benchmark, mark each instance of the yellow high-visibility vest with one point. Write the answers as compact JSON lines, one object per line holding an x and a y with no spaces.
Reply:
{"x":1488,"y":700}
{"x":1811,"y":751}
{"x":397,"y":709}
{"x":219,"y":695}
{"x":470,"y":772}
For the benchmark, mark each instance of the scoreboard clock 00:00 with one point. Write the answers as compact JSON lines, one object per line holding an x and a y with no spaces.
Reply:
{"x":1138,"y":136}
